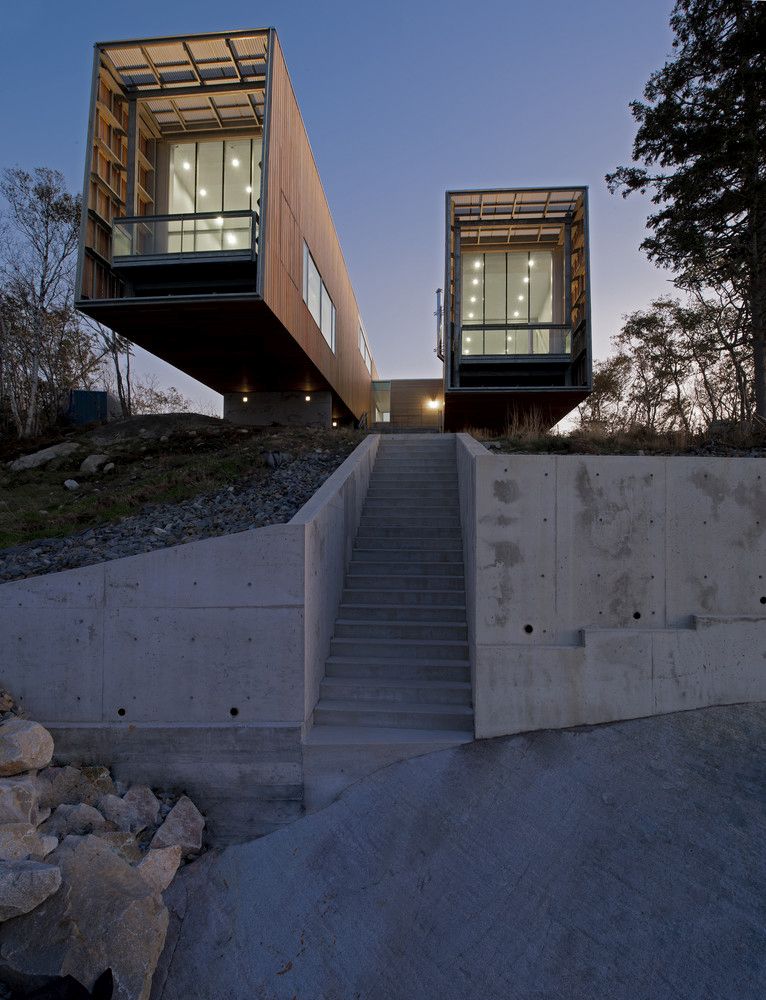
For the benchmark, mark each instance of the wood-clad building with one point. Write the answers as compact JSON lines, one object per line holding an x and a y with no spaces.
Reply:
{"x":206,"y":235}
{"x":516,"y":321}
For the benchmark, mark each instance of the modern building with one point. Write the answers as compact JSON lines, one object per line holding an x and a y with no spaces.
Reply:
{"x":207,"y":240}
{"x":206,"y":235}
{"x":516,"y":322}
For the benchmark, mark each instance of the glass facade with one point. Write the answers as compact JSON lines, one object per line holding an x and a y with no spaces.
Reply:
{"x":364,"y":348}
{"x":507,"y":304}
{"x":317,"y":298}
{"x":220,"y":176}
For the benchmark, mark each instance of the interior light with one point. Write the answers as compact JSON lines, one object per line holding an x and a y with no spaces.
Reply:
{"x":244,"y":399}
{"x":231,"y":239}
{"x":219,"y":220}
{"x":235,"y":162}
{"x":470,"y":315}
{"x":477,"y":264}
{"x":516,"y":313}
{"x":526,"y":280}
{"x":468,"y":339}
{"x":475,"y":281}
{"x":202,"y":192}
{"x":248,"y":189}
{"x":473,"y":298}
{"x":521,"y":298}
{"x":308,"y":399}
{"x":186,"y":165}
{"x":466,"y":352}
{"x":531,"y":262}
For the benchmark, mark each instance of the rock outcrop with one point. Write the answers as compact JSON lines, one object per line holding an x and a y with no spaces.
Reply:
{"x":84,"y":861}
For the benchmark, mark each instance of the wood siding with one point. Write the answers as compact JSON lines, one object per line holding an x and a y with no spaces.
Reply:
{"x":296,"y":210}
{"x":409,"y":402}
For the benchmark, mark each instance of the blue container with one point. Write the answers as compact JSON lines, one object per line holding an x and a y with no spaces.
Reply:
{"x":87,"y":406}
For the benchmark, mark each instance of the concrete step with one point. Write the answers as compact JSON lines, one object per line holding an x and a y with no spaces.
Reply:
{"x":404,"y":480}
{"x":413,"y":495}
{"x":370,"y":736}
{"x":408,"y":515}
{"x":420,"y":670}
{"x":394,"y":595}
{"x":446,"y":503}
{"x":396,"y":556}
{"x":437,"y":544}
{"x":407,"y":649}
{"x":355,"y":628}
{"x":410,"y":715}
{"x":402,"y":582}
{"x":396,"y":690}
{"x":404,"y":530}
{"x":402,"y":612}
{"x":365,"y":567}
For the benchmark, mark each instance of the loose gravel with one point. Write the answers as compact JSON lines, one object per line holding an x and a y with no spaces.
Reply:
{"x":271,"y":499}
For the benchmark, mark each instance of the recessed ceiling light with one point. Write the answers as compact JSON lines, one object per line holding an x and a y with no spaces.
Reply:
{"x":516,"y":313}
{"x":470,"y":315}
{"x":477,"y":264}
{"x":219,"y":220}
{"x":202,"y":192}
{"x":235,"y":162}
{"x":475,"y":281}
{"x":526,"y":281}
{"x":521,"y":298}
{"x":249,"y":189}
{"x":186,"y":165}
{"x":473,"y":298}
{"x":531,"y":263}
{"x":231,"y":239}
{"x":468,"y":339}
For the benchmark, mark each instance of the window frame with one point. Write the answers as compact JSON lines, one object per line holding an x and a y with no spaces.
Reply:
{"x":324,"y":296}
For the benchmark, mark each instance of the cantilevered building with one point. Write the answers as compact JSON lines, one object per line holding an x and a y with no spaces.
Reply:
{"x":516,"y":306}
{"x":206,"y":235}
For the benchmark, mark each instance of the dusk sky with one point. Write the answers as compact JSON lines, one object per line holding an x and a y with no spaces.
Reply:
{"x":402,"y":101}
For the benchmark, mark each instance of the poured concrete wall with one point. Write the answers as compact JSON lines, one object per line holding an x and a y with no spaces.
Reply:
{"x":289,"y":409}
{"x":189,"y":657}
{"x":593,"y":574}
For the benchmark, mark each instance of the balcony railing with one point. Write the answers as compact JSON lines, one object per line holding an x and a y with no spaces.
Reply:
{"x":518,"y":340}
{"x":166,"y":237}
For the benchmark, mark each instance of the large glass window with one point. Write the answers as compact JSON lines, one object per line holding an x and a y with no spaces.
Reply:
{"x":317,"y":298}
{"x":364,"y":348}
{"x":215,"y":176}
{"x":500,"y":291}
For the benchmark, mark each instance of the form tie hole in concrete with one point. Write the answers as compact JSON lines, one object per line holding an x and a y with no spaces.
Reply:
{"x":121,"y":711}
{"x":528,"y":629}
{"x":636,"y":615}
{"x":763,"y":600}
{"x":233,"y":711}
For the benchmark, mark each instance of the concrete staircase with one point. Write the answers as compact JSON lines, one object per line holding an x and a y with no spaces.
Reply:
{"x":398,"y":676}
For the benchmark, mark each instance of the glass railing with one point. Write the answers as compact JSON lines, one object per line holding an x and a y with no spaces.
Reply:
{"x":515,"y":341}
{"x":183,"y":235}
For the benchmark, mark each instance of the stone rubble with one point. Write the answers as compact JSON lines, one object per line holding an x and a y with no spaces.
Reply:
{"x":290,"y":483}
{"x":84,"y":861}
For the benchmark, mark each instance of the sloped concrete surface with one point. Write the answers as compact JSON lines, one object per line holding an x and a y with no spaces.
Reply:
{"x":625,"y":861}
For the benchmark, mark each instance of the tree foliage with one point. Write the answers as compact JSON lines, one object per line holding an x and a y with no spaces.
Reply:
{"x":674,"y":367}
{"x":700,"y":149}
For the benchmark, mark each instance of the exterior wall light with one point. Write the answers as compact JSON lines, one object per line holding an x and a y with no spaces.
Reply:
{"x":335,"y":423}
{"x":433,"y":404}
{"x":308,"y":399}
{"x":244,"y":399}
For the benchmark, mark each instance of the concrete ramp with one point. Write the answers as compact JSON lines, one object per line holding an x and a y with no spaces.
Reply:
{"x":622,"y":862}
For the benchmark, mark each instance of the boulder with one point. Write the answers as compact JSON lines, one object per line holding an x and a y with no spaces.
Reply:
{"x":78,"y":819}
{"x":105,"y":916}
{"x":19,"y":801}
{"x":92,"y":464}
{"x":145,"y":803}
{"x":69,"y":785}
{"x":122,"y":843}
{"x":159,"y":866}
{"x":22,"y":840}
{"x":24,"y":746}
{"x":182,"y":827}
{"x":38,"y":458}
{"x":71,"y":484}
{"x":7,"y":703}
{"x":126,"y":815}
{"x":24,"y":885}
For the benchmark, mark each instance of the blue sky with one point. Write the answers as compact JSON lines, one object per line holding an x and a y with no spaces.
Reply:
{"x":401,"y":101}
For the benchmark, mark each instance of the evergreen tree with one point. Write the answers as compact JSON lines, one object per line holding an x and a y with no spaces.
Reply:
{"x":700,"y":148}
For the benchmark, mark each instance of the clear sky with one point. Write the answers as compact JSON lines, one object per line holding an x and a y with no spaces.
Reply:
{"x":402,"y":101}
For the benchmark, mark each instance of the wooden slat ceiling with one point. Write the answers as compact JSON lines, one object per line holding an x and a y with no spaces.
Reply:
{"x":514,"y":216}
{"x":185,"y":80}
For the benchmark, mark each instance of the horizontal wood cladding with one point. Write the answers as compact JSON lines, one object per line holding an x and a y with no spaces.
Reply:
{"x":409,"y":402}
{"x":296,"y":210}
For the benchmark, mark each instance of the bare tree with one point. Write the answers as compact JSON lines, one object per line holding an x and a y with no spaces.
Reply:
{"x":36,"y":270}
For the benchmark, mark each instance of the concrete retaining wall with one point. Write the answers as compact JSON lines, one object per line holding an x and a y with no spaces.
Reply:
{"x":611,"y":587}
{"x":182,"y":657}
